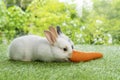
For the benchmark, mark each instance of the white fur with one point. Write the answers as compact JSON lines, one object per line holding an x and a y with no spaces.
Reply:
{"x":66,"y":38}
{"x":31,"y":47}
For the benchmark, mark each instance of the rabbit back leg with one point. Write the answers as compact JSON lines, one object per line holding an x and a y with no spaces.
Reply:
{"x":27,"y":56}
{"x":19,"y":52}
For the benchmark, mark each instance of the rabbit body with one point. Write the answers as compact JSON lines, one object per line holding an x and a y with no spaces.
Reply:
{"x":32,"y":47}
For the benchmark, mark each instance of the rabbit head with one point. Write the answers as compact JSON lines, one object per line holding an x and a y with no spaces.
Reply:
{"x":60,"y":47}
{"x":61,"y":34}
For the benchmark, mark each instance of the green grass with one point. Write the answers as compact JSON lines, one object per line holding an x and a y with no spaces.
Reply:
{"x":106,"y":68}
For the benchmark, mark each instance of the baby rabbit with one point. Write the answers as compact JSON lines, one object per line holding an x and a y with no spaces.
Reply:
{"x":32,"y":47}
{"x":64,"y":36}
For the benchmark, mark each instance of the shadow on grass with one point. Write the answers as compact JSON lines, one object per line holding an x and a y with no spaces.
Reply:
{"x":40,"y":63}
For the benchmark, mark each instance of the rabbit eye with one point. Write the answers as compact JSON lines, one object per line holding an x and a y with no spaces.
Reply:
{"x":65,"y":49}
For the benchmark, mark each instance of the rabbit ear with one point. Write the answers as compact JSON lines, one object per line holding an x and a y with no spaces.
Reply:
{"x":50,"y":37}
{"x":54,"y":31}
{"x":58,"y":30}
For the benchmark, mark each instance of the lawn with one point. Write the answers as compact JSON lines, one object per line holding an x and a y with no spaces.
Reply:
{"x":106,"y":68}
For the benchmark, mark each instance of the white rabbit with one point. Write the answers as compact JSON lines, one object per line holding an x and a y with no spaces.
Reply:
{"x":61,"y":34}
{"x":31,"y":47}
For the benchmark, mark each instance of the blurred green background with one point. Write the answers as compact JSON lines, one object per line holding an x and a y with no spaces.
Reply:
{"x":84,"y":21}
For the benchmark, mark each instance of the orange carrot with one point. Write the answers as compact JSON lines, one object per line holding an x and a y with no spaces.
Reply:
{"x":78,"y":56}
